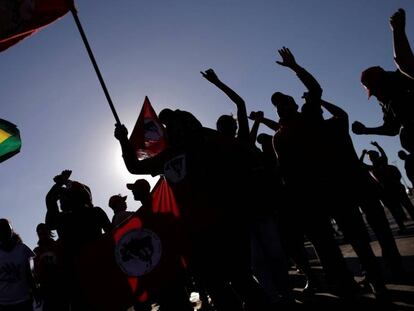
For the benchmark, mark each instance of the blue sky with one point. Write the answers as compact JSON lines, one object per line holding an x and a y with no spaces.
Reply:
{"x":157,"y":48}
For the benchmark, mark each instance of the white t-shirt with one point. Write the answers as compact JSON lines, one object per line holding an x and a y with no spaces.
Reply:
{"x":14,"y":282}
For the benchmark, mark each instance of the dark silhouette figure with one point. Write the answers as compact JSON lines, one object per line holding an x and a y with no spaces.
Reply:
{"x":48,"y":270}
{"x":16,"y":280}
{"x":118,"y":204}
{"x":395,"y":95}
{"x":209,"y":185}
{"x":78,"y":223}
{"x":335,"y":167}
{"x":408,"y":159}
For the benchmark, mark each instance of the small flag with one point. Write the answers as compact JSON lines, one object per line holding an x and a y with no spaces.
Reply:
{"x":20,"y":19}
{"x":148,"y":135}
{"x":10,"y":142}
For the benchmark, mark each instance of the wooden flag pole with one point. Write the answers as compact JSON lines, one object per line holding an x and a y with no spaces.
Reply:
{"x":95,"y":65}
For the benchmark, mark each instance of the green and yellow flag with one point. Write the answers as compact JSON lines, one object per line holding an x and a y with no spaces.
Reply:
{"x":10,"y":142}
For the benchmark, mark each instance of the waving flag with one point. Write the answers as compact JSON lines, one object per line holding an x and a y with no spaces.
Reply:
{"x":22,"y":18}
{"x":139,"y":259}
{"x":10,"y":142}
{"x":148,"y":135}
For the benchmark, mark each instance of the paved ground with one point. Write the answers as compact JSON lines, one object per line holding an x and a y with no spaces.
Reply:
{"x":401,"y":290}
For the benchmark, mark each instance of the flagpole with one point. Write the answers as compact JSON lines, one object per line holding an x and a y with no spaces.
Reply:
{"x":95,"y":65}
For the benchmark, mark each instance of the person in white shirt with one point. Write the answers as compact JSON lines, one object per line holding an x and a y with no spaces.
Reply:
{"x":17,"y":286}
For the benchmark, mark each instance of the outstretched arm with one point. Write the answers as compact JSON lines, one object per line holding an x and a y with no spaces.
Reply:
{"x":243,"y":131}
{"x":273,"y":125}
{"x":387,"y":129}
{"x":288,"y":60}
{"x":403,"y":54}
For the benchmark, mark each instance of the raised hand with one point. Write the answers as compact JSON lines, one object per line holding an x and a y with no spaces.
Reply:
{"x":256,"y":115}
{"x":121,"y":132}
{"x":210,"y":76}
{"x":63,"y":177}
{"x":288,"y":60}
{"x":397,"y":20}
{"x":358,"y":128}
{"x":374,"y":143}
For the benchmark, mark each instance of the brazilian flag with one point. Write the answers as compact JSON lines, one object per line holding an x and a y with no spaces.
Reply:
{"x":10,"y":142}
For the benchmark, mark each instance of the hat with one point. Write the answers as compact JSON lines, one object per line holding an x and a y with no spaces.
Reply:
{"x":115,"y":199}
{"x":140,"y":184}
{"x":370,"y":78}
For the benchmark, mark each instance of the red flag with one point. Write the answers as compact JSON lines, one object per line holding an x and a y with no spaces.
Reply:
{"x":148,"y":135}
{"x":20,"y":19}
{"x":140,"y":258}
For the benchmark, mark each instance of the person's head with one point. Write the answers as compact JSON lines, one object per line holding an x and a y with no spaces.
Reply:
{"x":74,"y":196}
{"x":312,"y":112}
{"x":374,"y":79}
{"x":181,"y":127}
{"x":285,"y":105}
{"x":227,"y":125}
{"x":6,"y":231}
{"x":43,"y":232}
{"x":402,"y":155}
{"x":117,"y":203}
{"x":140,"y":189}
{"x":8,"y":238}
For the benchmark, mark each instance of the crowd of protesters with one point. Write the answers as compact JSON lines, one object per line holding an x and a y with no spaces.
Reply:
{"x":242,"y":219}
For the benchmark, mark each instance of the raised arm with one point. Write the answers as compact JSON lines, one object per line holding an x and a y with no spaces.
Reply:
{"x":288,"y":60}
{"x":361,"y":158}
{"x":403,"y":55}
{"x":381,"y":151}
{"x":257,"y":117}
{"x":133,"y":165}
{"x":52,"y":197}
{"x":334,"y":110}
{"x":243,"y":123}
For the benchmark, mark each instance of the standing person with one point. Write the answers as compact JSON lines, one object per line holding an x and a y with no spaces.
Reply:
{"x":208,"y":180}
{"x":78,"y":223}
{"x":17,"y":285}
{"x":173,"y":295}
{"x":118,"y":204}
{"x":395,"y":94}
{"x":49,"y":271}
{"x":408,"y":159}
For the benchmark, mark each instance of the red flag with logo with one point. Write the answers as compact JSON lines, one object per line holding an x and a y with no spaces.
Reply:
{"x":139,"y":259}
{"x":148,"y":135}
{"x":20,"y":19}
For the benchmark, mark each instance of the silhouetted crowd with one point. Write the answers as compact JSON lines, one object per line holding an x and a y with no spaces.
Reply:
{"x":248,"y":202}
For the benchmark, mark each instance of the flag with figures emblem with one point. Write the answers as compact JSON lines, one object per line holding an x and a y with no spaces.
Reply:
{"x":10,"y":142}
{"x":22,"y":18}
{"x":139,"y":259}
{"x":148,"y":135}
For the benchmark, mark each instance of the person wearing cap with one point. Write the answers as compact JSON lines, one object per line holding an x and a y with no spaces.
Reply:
{"x":395,"y":94}
{"x":118,"y":204}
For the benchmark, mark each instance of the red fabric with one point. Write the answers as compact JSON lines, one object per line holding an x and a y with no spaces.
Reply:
{"x":148,"y":135}
{"x":103,"y":281}
{"x":21,"y":21}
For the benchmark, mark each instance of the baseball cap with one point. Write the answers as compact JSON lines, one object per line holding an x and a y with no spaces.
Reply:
{"x":141,"y":184}
{"x":115,"y":199}
{"x":371,"y":77}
